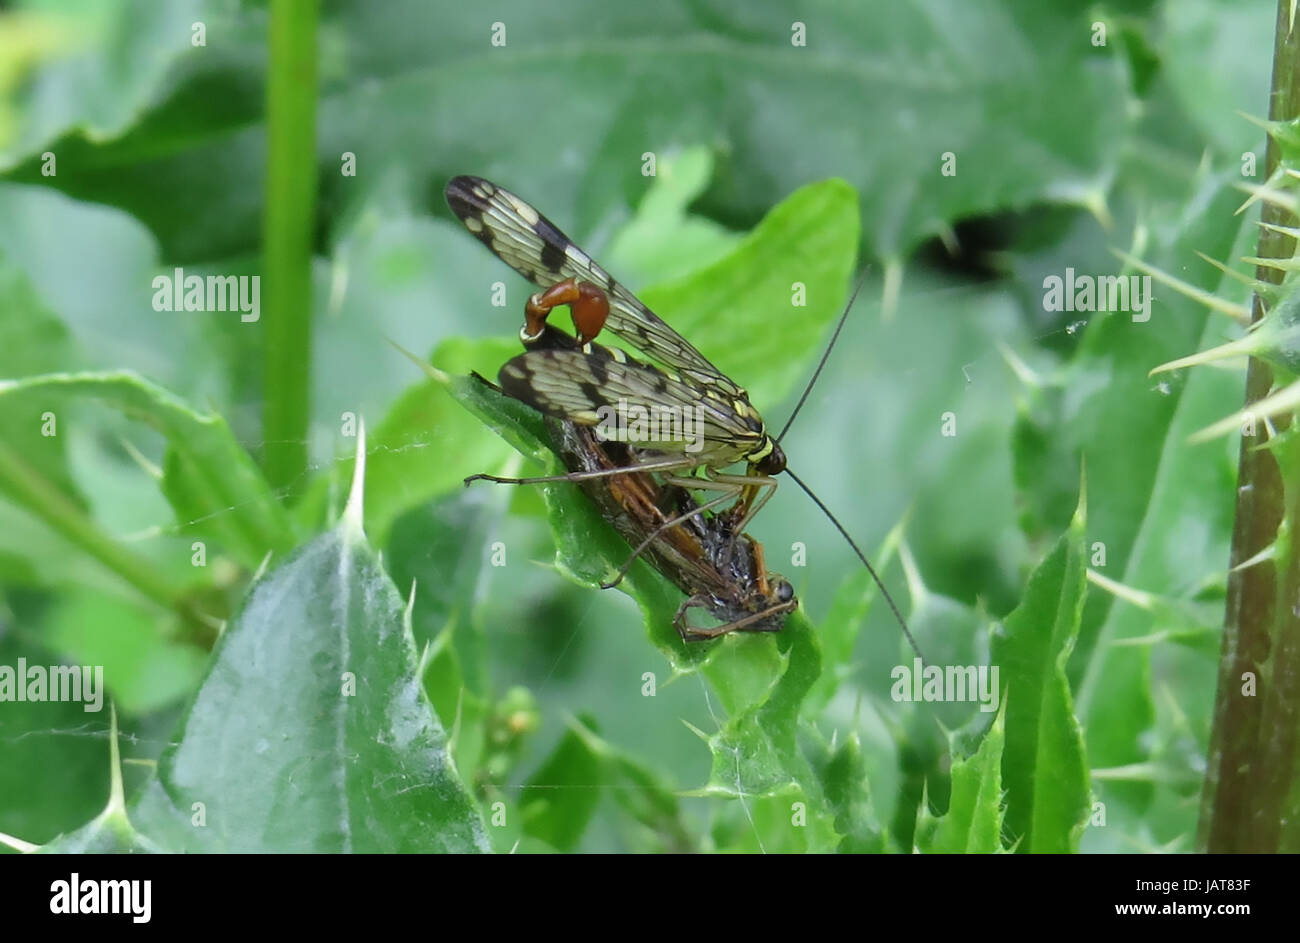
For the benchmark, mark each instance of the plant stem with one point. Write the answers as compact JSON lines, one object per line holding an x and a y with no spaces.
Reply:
{"x":1249,"y":773}
{"x":288,"y":227}
{"x":41,"y":498}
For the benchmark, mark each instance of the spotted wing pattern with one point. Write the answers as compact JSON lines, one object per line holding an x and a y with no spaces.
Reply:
{"x":576,"y":384}
{"x":535,"y":248}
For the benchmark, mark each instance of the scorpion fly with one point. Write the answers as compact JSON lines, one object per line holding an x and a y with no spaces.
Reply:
{"x":588,"y":386}
{"x":720,"y":570}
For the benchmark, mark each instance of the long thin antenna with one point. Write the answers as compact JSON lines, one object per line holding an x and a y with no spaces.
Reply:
{"x":865,"y":562}
{"x":825,"y":354}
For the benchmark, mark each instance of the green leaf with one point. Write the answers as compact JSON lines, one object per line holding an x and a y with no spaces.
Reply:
{"x":739,"y":310}
{"x":1044,"y":766}
{"x":1165,"y":520}
{"x":442,"y":549}
{"x":561,"y":796}
{"x":865,"y":97}
{"x":53,"y":775}
{"x":843,"y":773}
{"x":1202,"y":39}
{"x":641,"y":792}
{"x":840,"y":628}
{"x":587,"y":549}
{"x":213,"y":486}
{"x":761,"y":682}
{"x":756,"y":754}
{"x":143,"y":669}
{"x":31,"y":341}
{"x":1135,"y":145}
{"x":411,"y":449}
{"x":973,"y":822}
{"x":661,"y":241}
{"x":110,"y":832}
{"x":312,"y":732}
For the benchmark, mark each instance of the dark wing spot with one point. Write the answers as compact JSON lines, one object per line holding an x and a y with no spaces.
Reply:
{"x":462,"y":199}
{"x":463,"y":211}
{"x":515,"y":384}
{"x":593,"y":393}
{"x":553,"y":243}
{"x":599,"y":369}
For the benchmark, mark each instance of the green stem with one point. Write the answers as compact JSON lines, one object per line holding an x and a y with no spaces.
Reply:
{"x":41,"y":498}
{"x":288,"y":227}
{"x":1248,"y":797}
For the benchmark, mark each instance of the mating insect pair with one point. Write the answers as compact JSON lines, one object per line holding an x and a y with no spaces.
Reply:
{"x":721,"y":570}
{"x":700,"y":547}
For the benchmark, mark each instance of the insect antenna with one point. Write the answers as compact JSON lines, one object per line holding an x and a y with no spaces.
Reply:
{"x":825,"y":355}
{"x":807,"y":390}
{"x":893,"y":607}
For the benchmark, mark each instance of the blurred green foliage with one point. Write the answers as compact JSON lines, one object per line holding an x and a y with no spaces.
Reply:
{"x":776,"y":163}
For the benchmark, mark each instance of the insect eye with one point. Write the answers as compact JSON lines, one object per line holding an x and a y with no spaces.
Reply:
{"x":784,"y":591}
{"x":773,"y":463}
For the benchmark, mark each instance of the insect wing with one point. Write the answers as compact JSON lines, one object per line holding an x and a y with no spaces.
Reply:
{"x":720,"y":573}
{"x":536,"y":248}
{"x":615,"y":393}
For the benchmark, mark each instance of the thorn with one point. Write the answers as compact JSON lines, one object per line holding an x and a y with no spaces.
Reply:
{"x":1095,"y":203}
{"x":1253,"y":283}
{"x":893,"y":286}
{"x":949,"y":239}
{"x":410,"y":601}
{"x":1280,"y":265}
{"x":1211,"y":301}
{"x":695,"y":730}
{"x":1139,"y":598}
{"x":1022,"y":370}
{"x":261,"y":567}
{"x":426,"y":656}
{"x":1256,"y":121}
{"x":1268,"y":553}
{"x":354,"y":510}
{"x":1241,"y":347}
{"x":17,"y":844}
{"x":1274,"y":227}
{"x":429,"y":369}
{"x":1270,"y":195}
{"x":1283,"y":401}
{"x":116,"y":792}
{"x":150,"y":469}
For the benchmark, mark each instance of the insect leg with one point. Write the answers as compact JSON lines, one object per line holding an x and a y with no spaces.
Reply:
{"x":760,"y":567}
{"x":672,"y":464}
{"x":666,"y":525}
{"x":691,"y":633}
{"x":587,"y":303}
{"x":756,"y":491}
